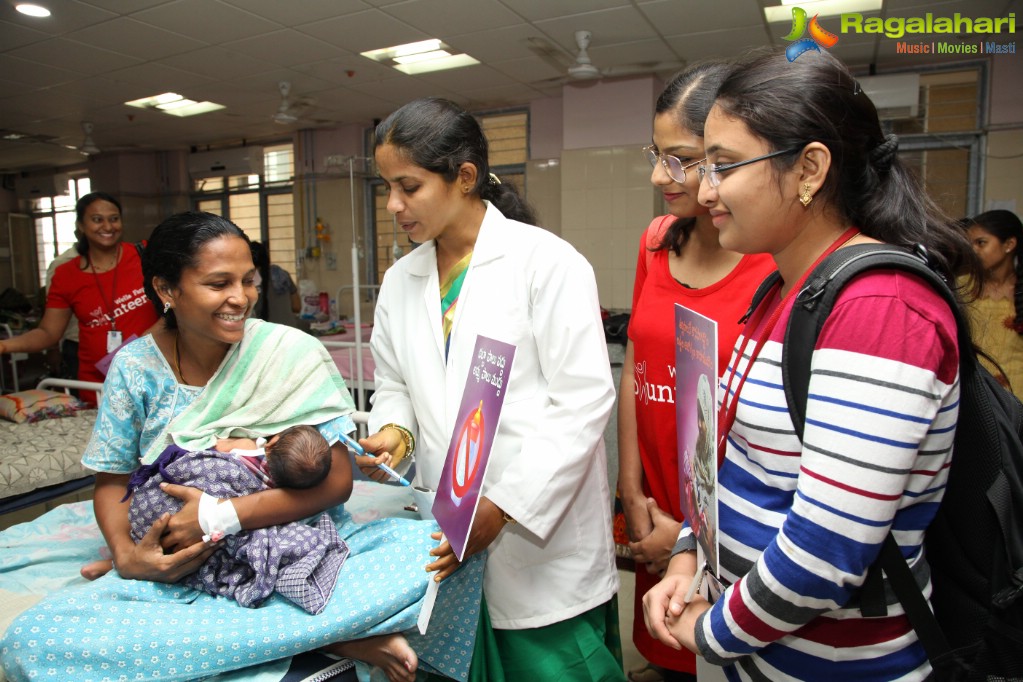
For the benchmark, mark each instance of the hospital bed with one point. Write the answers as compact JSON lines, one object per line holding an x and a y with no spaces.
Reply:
{"x":43,"y":557}
{"x":41,"y":460}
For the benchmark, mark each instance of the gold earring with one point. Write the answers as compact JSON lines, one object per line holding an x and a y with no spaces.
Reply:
{"x":805,"y":198}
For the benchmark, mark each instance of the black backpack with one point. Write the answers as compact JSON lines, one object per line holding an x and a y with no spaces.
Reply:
{"x":974,"y":546}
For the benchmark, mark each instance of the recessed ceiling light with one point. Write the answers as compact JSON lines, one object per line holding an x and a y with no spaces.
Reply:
{"x":32,"y":10}
{"x":823,"y":8}
{"x":174,"y":104}
{"x":450,"y":62}
{"x":420,"y":57}
{"x":386,"y":53}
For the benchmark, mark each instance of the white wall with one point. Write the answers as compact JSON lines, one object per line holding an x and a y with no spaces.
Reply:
{"x":605,"y":199}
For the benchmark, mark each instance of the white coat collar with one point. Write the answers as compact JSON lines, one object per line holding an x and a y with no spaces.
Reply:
{"x":422,"y":261}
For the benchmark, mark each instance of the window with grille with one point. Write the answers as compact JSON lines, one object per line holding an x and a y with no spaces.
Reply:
{"x":942,"y":142}
{"x":262,"y":206}
{"x":54,"y":219}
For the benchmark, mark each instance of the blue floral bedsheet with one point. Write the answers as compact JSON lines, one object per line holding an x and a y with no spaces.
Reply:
{"x":123,"y":629}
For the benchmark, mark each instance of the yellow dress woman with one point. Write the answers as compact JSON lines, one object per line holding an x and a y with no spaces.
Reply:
{"x":997,"y":312}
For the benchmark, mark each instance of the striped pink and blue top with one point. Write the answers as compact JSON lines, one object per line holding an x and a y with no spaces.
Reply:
{"x":801,"y":523}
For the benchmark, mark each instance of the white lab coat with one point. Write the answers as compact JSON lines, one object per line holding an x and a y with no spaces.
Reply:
{"x":548,"y":470}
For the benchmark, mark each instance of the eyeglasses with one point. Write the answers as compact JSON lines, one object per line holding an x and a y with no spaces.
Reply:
{"x":672,"y":164}
{"x":716,"y":169}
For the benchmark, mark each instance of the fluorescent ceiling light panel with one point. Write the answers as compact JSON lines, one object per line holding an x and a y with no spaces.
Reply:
{"x":825,"y":8}
{"x":453,"y":62}
{"x":32,"y":10}
{"x":388,"y":53}
{"x":192,"y":108}
{"x":174,"y":104}
{"x":420,"y":57}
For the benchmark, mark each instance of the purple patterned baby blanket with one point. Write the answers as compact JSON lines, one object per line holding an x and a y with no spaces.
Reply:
{"x":299,"y":561}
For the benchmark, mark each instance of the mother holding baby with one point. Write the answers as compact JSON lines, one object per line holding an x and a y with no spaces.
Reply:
{"x":208,"y":370}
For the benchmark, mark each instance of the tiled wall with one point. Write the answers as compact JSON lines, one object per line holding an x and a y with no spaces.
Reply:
{"x":543,"y":191}
{"x":606,"y":203}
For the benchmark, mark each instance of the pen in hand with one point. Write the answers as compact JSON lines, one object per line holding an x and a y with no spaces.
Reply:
{"x":694,"y":586}
{"x":358,"y":449}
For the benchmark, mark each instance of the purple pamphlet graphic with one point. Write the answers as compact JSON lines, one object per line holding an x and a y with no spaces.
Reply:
{"x":696,"y":420}
{"x":103,"y":364}
{"x":461,"y":479}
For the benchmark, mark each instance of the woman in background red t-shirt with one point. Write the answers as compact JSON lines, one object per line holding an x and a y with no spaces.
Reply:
{"x":680,"y":261}
{"x":102,"y":288}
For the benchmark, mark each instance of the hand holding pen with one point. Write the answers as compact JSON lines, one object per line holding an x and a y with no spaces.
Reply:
{"x":359,"y":450}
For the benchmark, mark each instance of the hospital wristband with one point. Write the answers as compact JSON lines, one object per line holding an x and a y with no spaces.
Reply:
{"x":217,"y":519}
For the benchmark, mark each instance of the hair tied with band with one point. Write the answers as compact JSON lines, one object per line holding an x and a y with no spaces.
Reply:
{"x":883,"y":155}
{"x":494,"y":180}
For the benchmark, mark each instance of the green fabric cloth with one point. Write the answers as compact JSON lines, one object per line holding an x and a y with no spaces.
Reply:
{"x":307,"y":389}
{"x":586,"y":648}
{"x":450,"y":290}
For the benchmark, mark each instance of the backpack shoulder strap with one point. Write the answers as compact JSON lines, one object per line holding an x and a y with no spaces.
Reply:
{"x":758,"y":296}
{"x":654,"y":234}
{"x":811,"y":308}
{"x":814,"y":302}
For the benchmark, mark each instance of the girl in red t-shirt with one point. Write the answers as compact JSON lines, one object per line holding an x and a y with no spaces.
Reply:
{"x":102,"y":288}
{"x":680,"y":261}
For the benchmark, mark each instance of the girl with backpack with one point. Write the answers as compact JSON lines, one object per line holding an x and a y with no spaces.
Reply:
{"x":798,"y":166}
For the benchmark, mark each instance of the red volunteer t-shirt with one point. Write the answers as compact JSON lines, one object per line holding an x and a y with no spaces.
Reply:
{"x":96,"y":297}
{"x":652,"y":332}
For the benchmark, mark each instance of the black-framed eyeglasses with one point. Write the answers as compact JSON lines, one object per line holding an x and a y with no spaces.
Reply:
{"x":673,"y":165}
{"x":716,"y":169}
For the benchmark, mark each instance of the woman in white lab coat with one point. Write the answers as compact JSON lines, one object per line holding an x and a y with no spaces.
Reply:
{"x":545,"y":511}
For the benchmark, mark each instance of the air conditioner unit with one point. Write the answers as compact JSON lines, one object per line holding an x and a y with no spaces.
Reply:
{"x":236,"y":161}
{"x":894,"y":95}
{"x":42,"y":185}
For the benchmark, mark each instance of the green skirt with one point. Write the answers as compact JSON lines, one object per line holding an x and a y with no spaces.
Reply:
{"x":585,"y":648}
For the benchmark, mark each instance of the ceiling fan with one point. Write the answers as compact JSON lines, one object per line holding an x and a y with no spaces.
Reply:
{"x":291,"y":111}
{"x":581,"y":66}
{"x":88,"y":146}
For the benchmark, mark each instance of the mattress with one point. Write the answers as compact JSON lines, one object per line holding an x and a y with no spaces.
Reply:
{"x":44,"y":453}
{"x":42,"y":557}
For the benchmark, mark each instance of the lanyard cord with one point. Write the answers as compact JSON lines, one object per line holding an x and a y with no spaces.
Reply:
{"x":728,"y":408}
{"x":113,"y":289}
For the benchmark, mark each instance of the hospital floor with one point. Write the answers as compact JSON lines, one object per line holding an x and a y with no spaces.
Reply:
{"x":630,"y":657}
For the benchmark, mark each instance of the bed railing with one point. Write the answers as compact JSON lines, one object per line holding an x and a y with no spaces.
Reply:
{"x":56,"y":384}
